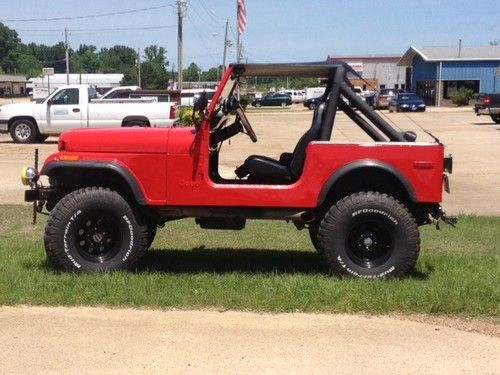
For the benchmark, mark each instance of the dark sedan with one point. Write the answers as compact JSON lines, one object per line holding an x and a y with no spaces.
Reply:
{"x":312,"y":102}
{"x":406,"y":102}
{"x":273,"y":99}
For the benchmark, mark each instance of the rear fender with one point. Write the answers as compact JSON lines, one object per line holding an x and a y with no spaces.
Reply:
{"x":366,"y":175}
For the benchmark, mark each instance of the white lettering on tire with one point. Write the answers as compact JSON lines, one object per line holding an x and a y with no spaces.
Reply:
{"x":375,"y":211}
{"x":131,"y":244}
{"x":65,"y":238}
{"x":354,"y":273}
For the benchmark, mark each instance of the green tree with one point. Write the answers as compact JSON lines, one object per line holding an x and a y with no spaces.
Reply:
{"x":117,"y":59}
{"x":29,"y":65}
{"x":154,"y":73}
{"x":212,"y":74}
{"x":9,"y":41}
{"x":85,"y":60}
{"x":191,"y":73}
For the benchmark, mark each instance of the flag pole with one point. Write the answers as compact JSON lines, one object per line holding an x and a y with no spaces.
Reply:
{"x":237,"y":32}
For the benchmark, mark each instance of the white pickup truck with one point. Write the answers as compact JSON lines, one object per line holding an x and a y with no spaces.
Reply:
{"x":70,"y":107}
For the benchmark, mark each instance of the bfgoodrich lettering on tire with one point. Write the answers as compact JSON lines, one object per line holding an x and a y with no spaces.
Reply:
{"x":369,"y":235}
{"x":94,"y":229}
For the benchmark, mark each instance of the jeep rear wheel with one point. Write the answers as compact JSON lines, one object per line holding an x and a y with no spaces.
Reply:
{"x":369,"y":235}
{"x":94,"y":229}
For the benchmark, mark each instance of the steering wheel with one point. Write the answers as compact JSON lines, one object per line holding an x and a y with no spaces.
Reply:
{"x":240,"y":115}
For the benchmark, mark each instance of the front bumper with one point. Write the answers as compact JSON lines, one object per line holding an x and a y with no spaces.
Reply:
{"x":38,"y":193}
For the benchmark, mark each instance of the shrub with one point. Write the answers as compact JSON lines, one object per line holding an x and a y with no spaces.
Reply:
{"x":462,"y":96}
{"x":245,"y":101}
{"x":185,"y":116}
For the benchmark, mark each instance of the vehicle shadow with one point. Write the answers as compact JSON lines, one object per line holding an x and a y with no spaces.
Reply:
{"x":221,"y":261}
{"x":252,"y":261}
{"x":483,"y":124}
{"x":10,"y":141}
{"x":227,"y":261}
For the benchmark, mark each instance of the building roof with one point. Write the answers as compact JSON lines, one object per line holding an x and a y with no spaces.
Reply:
{"x":364,"y":57}
{"x":12,"y":78}
{"x":309,"y":69}
{"x":465,"y":53}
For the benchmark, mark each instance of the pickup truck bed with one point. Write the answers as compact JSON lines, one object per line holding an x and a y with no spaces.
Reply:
{"x":488,"y":104}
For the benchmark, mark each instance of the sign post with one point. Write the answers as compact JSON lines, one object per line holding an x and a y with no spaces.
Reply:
{"x":48,"y":72}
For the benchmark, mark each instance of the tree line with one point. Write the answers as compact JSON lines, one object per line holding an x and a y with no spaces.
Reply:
{"x":29,"y":59}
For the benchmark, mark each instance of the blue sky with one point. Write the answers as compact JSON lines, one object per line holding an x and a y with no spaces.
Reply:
{"x":277,"y":30}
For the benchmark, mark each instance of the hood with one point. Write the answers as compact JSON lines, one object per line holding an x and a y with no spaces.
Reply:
{"x":17,"y":109}
{"x":118,"y":140}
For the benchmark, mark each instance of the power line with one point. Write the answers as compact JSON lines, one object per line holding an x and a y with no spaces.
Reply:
{"x":209,"y":12}
{"x":212,"y":23}
{"x":88,"y":16}
{"x":105,"y":29}
{"x":91,"y":31}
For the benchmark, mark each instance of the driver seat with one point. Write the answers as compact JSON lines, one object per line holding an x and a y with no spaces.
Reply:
{"x":266,"y":170}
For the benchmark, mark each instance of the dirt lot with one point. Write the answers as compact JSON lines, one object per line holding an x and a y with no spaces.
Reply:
{"x":87,"y":340}
{"x":473,"y":141}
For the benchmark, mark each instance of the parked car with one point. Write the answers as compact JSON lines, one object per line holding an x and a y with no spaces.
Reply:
{"x":370,"y":98}
{"x":273,"y":99}
{"x":296,"y":95}
{"x":383,"y":97}
{"x":311,"y":103}
{"x":488,"y":104}
{"x":406,"y":102}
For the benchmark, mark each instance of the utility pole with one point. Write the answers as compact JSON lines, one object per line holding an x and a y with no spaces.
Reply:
{"x":139,"y":67}
{"x":181,"y":13}
{"x":67,"y":54}
{"x":226,"y":44}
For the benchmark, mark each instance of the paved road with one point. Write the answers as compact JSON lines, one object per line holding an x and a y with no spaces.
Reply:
{"x":94,"y":340}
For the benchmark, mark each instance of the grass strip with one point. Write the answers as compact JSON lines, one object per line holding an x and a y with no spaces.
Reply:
{"x":269,"y":266}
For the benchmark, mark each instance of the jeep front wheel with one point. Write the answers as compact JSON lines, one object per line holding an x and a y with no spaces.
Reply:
{"x":369,"y":235}
{"x":94,"y":229}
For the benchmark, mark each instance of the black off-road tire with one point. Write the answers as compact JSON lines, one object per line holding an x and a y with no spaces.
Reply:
{"x":369,"y":235}
{"x":94,"y":229}
{"x":24,"y":131}
{"x":152,"y":227}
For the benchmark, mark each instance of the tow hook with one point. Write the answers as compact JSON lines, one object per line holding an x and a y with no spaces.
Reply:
{"x":447,"y":219}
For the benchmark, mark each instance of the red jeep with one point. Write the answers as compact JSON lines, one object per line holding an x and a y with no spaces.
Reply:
{"x":109,"y":189}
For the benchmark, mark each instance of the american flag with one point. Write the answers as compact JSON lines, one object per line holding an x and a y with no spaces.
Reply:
{"x":242,"y":16}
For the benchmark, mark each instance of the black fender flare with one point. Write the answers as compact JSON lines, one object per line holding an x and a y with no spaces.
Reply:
{"x":55,"y":166}
{"x":365,"y":163}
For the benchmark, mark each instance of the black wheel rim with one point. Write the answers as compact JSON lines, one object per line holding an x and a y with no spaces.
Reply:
{"x":98,"y":238}
{"x":369,"y":243}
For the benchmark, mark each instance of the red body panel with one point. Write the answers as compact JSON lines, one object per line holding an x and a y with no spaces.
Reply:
{"x":179,"y":175}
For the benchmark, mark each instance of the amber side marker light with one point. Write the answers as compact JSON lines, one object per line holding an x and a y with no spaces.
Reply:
{"x":69,"y":157}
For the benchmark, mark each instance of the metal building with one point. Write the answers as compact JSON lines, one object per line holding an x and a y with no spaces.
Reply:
{"x":437,"y":72}
{"x":380,"y":71}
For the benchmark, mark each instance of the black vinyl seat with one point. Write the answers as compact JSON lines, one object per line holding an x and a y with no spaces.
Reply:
{"x":266,"y":170}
